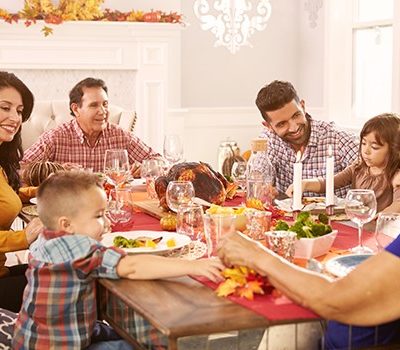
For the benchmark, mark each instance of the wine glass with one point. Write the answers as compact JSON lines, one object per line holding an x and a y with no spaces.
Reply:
{"x":116,"y":166}
{"x":173,"y":149}
{"x":151,"y":169}
{"x":239,"y":173}
{"x":387,"y":229}
{"x":179,"y":192}
{"x":189,"y":220}
{"x":116,"y":169}
{"x":360,"y":207}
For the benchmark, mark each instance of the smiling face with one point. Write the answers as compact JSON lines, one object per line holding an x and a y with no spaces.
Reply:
{"x":11,"y":108}
{"x":90,"y":220}
{"x":290,"y":123}
{"x":374,"y":154}
{"x":92,"y":113}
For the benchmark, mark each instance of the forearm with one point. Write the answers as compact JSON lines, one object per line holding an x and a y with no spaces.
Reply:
{"x":141,"y":267}
{"x":364,"y":297}
{"x":312,"y":185}
{"x":392,"y":208}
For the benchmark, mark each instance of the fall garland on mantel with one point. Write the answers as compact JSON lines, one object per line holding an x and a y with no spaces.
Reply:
{"x":81,"y":10}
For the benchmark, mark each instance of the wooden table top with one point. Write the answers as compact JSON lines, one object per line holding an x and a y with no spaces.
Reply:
{"x":181,"y":307}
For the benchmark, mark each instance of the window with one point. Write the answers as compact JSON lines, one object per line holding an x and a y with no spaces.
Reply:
{"x":362,"y":61}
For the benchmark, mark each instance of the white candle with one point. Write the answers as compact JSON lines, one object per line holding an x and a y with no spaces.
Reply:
{"x":297,"y":187}
{"x":329,"y":190}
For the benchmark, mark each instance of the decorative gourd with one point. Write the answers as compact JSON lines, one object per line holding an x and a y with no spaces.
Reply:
{"x":35,"y":173}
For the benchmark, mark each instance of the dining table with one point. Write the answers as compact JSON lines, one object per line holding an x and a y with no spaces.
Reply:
{"x":186,"y":314}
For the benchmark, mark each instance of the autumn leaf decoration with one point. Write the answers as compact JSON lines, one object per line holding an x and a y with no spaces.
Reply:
{"x":242,"y":282}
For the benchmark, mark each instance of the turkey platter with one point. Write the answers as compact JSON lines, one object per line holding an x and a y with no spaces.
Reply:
{"x":208,"y":184}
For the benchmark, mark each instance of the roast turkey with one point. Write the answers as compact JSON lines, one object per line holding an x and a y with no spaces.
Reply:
{"x":208,"y":184}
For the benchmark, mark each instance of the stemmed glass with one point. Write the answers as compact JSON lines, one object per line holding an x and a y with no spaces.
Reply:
{"x":179,"y":192}
{"x":116,"y":166}
{"x":360,"y":207}
{"x":116,"y":169}
{"x":173,"y":149}
{"x":387,"y":229}
{"x":151,"y":169}
{"x":239,"y":173}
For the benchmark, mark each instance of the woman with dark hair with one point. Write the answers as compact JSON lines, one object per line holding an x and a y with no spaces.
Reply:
{"x":16,"y":103}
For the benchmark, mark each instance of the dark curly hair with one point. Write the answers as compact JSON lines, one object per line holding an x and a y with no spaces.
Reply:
{"x":386,"y":128}
{"x":11,"y":152}
{"x":76,"y":94}
{"x":274,"y":96}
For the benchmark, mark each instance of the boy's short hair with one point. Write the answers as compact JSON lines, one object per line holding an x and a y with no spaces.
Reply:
{"x":60,"y":195}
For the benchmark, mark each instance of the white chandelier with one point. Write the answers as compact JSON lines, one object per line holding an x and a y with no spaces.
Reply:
{"x":232,"y":24}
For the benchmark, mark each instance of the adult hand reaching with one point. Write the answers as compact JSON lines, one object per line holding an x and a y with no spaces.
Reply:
{"x":33,"y":229}
{"x":237,"y":249}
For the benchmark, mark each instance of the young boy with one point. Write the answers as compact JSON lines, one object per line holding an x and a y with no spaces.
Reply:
{"x":59,"y":307}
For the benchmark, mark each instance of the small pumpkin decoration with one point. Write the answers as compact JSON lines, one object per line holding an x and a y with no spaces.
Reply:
{"x":168,"y":222}
{"x":35,"y":173}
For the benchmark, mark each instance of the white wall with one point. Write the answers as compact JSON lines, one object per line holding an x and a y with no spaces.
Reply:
{"x":213,"y":77}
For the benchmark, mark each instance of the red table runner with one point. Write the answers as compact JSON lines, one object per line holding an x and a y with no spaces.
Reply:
{"x":264,"y":305}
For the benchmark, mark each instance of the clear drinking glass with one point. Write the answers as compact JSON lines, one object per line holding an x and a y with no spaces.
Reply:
{"x":173,"y":149}
{"x":189,"y":220}
{"x":116,"y":166}
{"x":120,"y":205}
{"x":360,"y":207}
{"x":215,"y":227}
{"x":239,"y":173}
{"x":151,"y":169}
{"x":116,"y":169}
{"x":387,"y":229}
{"x":179,"y":192}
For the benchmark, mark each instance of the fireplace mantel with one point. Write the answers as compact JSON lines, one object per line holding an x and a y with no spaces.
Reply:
{"x":148,"y":53}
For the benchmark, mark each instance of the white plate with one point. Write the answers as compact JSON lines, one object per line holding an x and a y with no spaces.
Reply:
{"x":180,"y":240}
{"x":286,"y":204}
{"x":33,"y":200}
{"x":342,"y":265}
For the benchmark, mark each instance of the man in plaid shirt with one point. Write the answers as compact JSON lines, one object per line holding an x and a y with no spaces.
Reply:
{"x":290,"y":129}
{"x":84,"y":140}
{"x":59,"y":306}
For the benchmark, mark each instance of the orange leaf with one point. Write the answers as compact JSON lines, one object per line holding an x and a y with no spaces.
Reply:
{"x":226,"y":288}
{"x":255,"y":286}
{"x":244,"y":292}
{"x":235,"y":274}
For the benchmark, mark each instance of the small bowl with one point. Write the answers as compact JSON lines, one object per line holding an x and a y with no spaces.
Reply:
{"x":240,"y":218}
{"x":307,"y":248}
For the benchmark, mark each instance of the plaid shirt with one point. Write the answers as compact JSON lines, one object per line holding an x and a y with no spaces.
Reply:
{"x":323,"y":134}
{"x":68,"y":144}
{"x":59,"y":307}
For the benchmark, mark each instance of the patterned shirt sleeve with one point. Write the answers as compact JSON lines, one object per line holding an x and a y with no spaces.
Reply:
{"x":348,"y":147}
{"x":138,"y":150}
{"x":101,"y":263}
{"x":42,"y":149}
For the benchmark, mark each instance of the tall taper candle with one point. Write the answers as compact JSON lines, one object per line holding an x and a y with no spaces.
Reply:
{"x":329,"y":190}
{"x":297,"y":187}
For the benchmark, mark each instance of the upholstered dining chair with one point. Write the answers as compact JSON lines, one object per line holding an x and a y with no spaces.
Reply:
{"x":49,"y":114}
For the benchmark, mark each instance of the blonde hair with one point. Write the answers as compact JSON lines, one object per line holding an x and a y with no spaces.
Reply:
{"x":62,"y":195}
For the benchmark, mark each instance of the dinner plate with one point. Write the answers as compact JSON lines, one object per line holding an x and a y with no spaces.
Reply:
{"x":33,"y":200}
{"x":311,"y":203}
{"x":30,"y":210}
{"x":180,"y":240}
{"x":342,"y":265}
